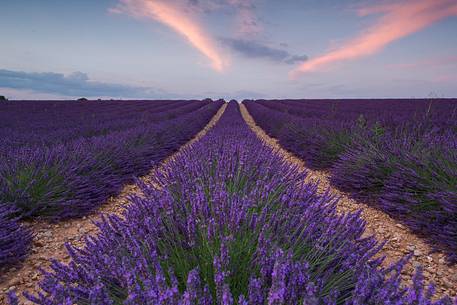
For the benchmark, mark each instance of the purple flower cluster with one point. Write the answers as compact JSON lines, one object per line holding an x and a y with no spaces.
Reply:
{"x":228,"y":221}
{"x":399,"y":155}
{"x":81,"y":165}
{"x":14,"y":238}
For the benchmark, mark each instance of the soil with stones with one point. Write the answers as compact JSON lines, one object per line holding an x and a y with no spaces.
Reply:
{"x":50,"y":239}
{"x":400,"y":241}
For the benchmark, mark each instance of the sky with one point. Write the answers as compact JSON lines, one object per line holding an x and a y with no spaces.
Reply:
{"x":231,"y":49}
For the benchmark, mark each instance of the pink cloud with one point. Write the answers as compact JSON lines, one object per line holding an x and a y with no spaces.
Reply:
{"x":179,"y":17}
{"x":399,"y":19}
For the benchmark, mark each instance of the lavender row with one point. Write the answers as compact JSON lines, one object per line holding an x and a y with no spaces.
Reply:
{"x":402,"y":165}
{"x":38,"y":123}
{"x":389,"y":112}
{"x":72,"y":179}
{"x":229,"y":222}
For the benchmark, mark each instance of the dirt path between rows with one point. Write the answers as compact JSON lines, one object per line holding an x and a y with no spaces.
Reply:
{"x":50,"y":239}
{"x":400,"y":241}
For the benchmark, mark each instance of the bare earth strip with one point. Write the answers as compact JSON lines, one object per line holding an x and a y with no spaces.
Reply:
{"x":50,"y":239}
{"x":400,"y":241}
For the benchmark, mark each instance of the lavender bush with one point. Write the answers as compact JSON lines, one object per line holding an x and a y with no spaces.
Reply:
{"x":422,"y":191}
{"x":14,"y":238}
{"x":229,"y":222}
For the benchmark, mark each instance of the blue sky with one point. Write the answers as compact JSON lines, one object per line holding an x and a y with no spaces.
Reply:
{"x":237,"y":49}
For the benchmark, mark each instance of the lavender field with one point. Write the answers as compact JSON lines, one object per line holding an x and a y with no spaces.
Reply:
{"x":227,"y":220}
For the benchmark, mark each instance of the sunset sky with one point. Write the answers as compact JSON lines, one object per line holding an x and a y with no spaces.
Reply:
{"x":54,"y":49}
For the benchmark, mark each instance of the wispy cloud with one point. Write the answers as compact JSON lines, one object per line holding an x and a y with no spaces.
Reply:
{"x":72,"y":85}
{"x":399,"y":19}
{"x":249,"y":24}
{"x":254,"y":49}
{"x":179,"y":17}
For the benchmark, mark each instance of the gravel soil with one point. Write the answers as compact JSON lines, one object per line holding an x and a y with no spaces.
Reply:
{"x":49,"y":241}
{"x":399,"y":240}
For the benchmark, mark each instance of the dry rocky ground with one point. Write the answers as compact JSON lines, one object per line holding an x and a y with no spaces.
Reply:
{"x":400,"y":241}
{"x":49,"y":241}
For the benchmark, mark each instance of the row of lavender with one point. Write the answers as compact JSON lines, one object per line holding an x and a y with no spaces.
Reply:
{"x":219,"y":225}
{"x":26,"y":123}
{"x":390,"y":112}
{"x":72,"y":179}
{"x":402,"y":160}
